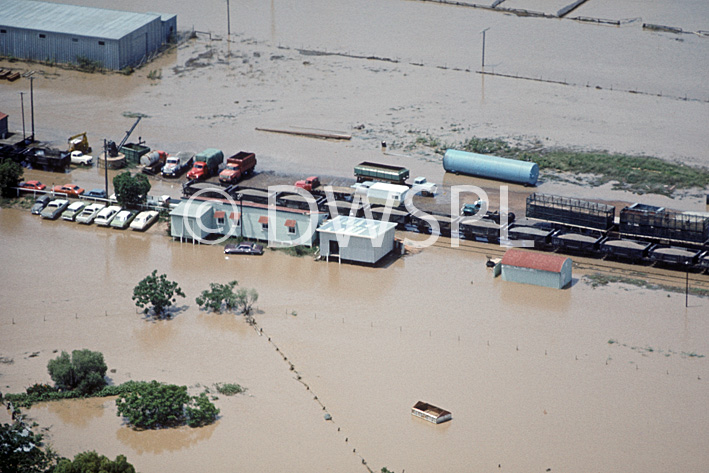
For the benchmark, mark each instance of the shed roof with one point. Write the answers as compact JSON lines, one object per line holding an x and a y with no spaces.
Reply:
{"x":3,"y":115}
{"x":532,"y":260}
{"x":71,"y":19}
{"x":188,"y":208}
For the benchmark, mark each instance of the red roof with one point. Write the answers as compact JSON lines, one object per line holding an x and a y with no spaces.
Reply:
{"x":219,"y":214}
{"x":263,"y":219}
{"x":529,"y":259}
{"x":290,"y":223}
{"x":2,"y":115}
{"x":234,"y":216}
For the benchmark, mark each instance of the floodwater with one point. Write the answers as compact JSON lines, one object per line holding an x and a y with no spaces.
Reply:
{"x":528,"y":373}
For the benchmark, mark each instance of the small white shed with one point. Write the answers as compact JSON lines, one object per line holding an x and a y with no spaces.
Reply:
{"x":356,"y":239}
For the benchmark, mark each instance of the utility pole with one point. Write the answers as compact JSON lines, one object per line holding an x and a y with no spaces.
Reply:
{"x":105,"y":163}
{"x":228,"y":19}
{"x":483,"y":32}
{"x":686,"y":289}
{"x":22,"y":104}
{"x":32,"y":103}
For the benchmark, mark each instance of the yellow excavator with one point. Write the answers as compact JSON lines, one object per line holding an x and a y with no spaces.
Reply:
{"x":79,"y":142}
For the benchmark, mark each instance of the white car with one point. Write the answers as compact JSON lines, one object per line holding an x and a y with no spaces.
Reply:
{"x":77,"y":157}
{"x":89,"y":213}
{"x":73,"y":211}
{"x":144,"y":220}
{"x":105,"y":216}
{"x":54,"y":209}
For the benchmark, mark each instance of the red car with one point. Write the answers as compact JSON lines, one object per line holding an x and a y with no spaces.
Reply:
{"x":32,"y":185}
{"x":71,"y":190}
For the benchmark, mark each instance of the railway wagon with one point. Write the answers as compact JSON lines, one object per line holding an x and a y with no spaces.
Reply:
{"x":674,"y":255}
{"x":652,"y":222}
{"x":625,"y":249}
{"x":568,"y":211}
{"x":367,"y":171}
{"x":576,"y":242}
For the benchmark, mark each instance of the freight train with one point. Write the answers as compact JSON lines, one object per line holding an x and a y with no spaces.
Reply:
{"x":642,"y":234}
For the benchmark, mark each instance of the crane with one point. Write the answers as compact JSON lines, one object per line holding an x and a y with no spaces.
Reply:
{"x":113,"y":149}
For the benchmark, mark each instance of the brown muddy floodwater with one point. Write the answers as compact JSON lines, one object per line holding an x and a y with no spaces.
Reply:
{"x":528,"y":373}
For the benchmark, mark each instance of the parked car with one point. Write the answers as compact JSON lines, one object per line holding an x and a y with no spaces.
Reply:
{"x":104,"y":217}
{"x":123,"y":219}
{"x":40,"y":203}
{"x":55,"y":208}
{"x":32,"y":185}
{"x":72,"y":190}
{"x":96,"y":194}
{"x":89,"y":213}
{"x":73,"y":210}
{"x":77,"y":157}
{"x":143,"y":220}
{"x":243,"y":248}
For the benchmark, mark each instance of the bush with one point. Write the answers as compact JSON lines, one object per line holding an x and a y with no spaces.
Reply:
{"x":201,"y":411}
{"x":10,"y":175}
{"x":92,"y":462}
{"x":84,"y":372}
{"x":229,"y":389}
{"x":218,"y":296}
{"x":155,"y":405}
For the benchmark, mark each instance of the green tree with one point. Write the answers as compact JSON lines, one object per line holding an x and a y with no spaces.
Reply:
{"x":218,"y":296}
{"x":155,"y":405}
{"x":246,"y":298}
{"x":156,"y":293}
{"x":84,"y":372}
{"x":20,"y":450}
{"x":201,"y":411}
{"x":131,"y":191}
{"x":92,"y":462}
{"x":10,"y":175}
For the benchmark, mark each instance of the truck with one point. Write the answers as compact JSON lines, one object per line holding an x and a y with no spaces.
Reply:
{"x":308,"y":183}
{"x":381,"y":193}
{"x":426,"y":188}
{"x":367,"y":171}
{"x":206,"y":164}
{"x":153,"y":162}
{"x":176,"y":165}
{"x":47,"y":159}
{"x":237,"y":166}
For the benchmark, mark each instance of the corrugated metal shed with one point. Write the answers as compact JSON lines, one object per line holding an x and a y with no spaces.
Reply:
{"x":541,"y":269}
{"x":55,"y":32}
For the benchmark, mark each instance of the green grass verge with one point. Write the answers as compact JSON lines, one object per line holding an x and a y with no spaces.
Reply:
{"x":638,"y":174}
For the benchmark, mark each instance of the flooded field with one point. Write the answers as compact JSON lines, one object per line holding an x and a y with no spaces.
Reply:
{"x":609,"y":379}
{"x":529,"y":373}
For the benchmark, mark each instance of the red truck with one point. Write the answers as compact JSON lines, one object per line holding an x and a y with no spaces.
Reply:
{"x":237,"y":166}
{"x":309,"y":183}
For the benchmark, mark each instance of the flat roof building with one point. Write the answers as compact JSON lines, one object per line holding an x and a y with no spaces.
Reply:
{"x":356,"y":239}
{"x":54,"y":32}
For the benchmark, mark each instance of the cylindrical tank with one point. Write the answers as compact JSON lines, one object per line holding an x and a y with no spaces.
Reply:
{"x":149,"y":158}
{"x":491,"y":167}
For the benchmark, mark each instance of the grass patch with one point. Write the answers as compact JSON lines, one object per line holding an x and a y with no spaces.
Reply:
{"x":229,"y":389}
{"x":598,"y":279}
{"x":638,"y":174}
{"x":297,"y":251}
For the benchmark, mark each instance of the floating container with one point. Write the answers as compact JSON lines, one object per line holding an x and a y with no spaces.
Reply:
{"x":491,"y":167}
{"x":430,"y":412}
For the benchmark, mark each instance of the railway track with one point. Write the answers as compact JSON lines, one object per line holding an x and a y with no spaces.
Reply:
{"x":652,"y":274}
